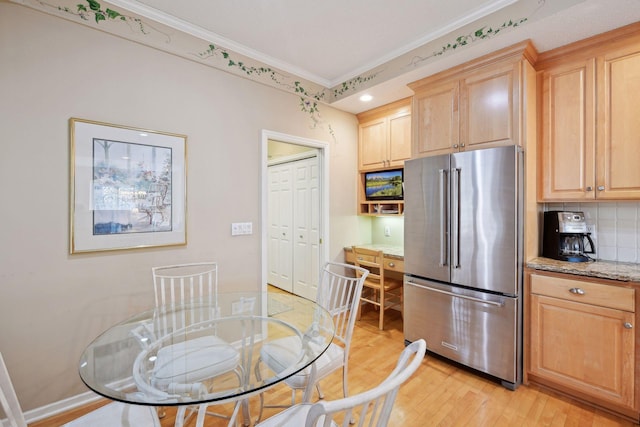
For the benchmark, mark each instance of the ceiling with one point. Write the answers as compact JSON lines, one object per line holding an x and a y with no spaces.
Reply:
{"x":331,"y":41}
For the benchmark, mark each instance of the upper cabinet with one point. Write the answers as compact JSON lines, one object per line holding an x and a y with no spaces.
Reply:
{"x":479,"y":104}
{"x":437,"y":119}
{"x":567,"y":149}
{"x":384,"y":142}
{"x":384,"y":139}
{"x":590,"y":134}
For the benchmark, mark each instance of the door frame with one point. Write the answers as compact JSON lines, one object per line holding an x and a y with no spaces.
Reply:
{"x":323,"y":167}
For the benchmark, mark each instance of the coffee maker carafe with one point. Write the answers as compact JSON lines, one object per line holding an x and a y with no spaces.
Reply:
{"x":566,"y":237}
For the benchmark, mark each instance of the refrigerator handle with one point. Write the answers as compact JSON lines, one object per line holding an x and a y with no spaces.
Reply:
{"x":443,"y":217}
{"x":462,"y":296}
{"x":455,"y":227}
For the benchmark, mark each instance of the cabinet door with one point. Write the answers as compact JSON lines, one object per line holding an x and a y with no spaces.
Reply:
{"x":618,"y":174}
{"x":584,"y":347}
{"x":568,"y":132}
{"x":399,"y":139}
{"x":436,"y":120}
{"x":372,"y":144}
{"x":488,"y":108}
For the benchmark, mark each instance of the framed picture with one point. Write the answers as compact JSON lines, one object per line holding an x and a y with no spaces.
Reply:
{"x":128,"y":187}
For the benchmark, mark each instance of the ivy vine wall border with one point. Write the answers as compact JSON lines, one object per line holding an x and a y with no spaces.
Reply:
{"x":113,"y":19}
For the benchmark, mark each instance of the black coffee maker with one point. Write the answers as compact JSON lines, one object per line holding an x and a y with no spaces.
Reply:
{"x":566,"y":237}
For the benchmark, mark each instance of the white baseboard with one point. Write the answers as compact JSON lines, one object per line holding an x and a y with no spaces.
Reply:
{"x":58,"y":407}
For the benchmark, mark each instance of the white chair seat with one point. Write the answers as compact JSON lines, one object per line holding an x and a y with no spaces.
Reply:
{"x":194,"y":360}
{"x":283,"y":353}
{"x":294,"y":416}
{"x":118,"y":414}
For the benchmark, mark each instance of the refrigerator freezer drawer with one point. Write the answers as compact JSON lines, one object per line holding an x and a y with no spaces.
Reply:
{"x":473,"y":328}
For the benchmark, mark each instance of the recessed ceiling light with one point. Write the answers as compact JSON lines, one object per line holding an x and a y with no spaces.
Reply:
{"x":366,"y":97}
{"x":144,"y":134}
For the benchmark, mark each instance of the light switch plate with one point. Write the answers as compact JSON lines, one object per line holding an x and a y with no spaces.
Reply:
{"x":241,"y":228}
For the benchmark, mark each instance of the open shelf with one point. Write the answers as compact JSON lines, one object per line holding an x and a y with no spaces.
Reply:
{"x":379,"y":208}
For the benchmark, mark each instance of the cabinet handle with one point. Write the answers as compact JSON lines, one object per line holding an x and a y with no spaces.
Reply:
{"x":589,"y":188}
{"x":577,"y":291}
{"x":628,"y":325}
{"x":391,"y":264}
{"x":462,"y":145}
{"x":455,"y":145}
{"x":600,"y":187}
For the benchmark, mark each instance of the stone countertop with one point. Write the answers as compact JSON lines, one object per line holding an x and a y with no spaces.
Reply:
{"x":622,"y":271}
{"x":389,"y":251}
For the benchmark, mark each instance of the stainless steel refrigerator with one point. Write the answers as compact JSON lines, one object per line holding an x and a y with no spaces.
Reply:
{"x":463,"y":258}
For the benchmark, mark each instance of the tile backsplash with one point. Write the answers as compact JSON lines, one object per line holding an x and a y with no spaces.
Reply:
{"x":614,"y":226}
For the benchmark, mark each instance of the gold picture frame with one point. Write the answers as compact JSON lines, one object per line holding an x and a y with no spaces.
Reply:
{"x":127,"y":187}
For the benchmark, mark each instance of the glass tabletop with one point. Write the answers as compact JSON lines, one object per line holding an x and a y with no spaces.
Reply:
{"x":207,"y":351}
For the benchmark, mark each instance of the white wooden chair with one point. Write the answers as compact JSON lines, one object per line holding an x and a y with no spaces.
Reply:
{"x":197,"y":284}
{"x":372,"y":407}
{"x":339,"y":293}
{"x":111,"y":415}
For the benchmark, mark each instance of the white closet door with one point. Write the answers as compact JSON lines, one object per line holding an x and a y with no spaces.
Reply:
{"x":280,"y":256}
{"x":306,"y":228}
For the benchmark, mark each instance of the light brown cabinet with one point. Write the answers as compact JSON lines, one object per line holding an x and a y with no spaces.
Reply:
{"x":384,"y":143}
{"x":384,"y":136}
{"x":479,"y":104}
{"x":437,"y":119}
{"x":582,"y":339}
{"x":590,"y":139}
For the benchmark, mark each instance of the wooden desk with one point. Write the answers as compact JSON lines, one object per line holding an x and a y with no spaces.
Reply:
{"x":393,"y":260}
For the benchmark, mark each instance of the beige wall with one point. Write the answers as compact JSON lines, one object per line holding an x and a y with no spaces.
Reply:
{"x":51,"y":303}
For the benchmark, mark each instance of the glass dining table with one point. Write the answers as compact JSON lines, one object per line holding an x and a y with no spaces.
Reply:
{"x":206,"y":352}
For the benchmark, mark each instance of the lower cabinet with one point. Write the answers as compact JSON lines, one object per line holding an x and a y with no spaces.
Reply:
{"x":582,"y":340}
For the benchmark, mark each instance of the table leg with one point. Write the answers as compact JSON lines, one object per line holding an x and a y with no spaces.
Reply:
{"x":245,"y":413}
{"x":311,"y":382}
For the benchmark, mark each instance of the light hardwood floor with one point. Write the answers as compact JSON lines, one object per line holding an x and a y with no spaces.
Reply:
{"x":439,"y":394}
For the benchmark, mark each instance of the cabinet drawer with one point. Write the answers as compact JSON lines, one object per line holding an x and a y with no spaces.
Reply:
{"x":394,"y":265}
{"x":609,"y":296}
